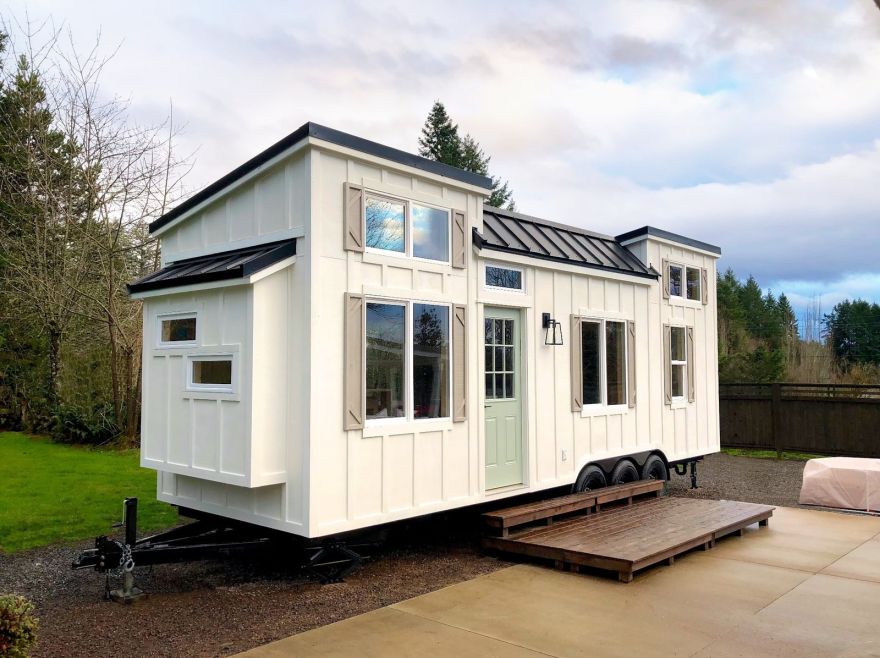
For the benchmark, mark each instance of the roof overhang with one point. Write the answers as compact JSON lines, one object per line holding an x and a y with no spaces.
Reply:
{"x":653,"y":233}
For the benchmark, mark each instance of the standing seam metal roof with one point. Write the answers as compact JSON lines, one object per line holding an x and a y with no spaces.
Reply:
{"x":514,"y":233}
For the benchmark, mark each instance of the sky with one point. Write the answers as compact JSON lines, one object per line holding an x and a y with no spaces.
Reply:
{"x":748,"y":124}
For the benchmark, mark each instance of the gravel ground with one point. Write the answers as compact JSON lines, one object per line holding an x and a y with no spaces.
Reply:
{"x":217,"y":608}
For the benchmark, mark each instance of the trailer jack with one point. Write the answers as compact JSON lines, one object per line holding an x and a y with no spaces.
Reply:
{"x":208,"y":537}
{"x":681,"y":468}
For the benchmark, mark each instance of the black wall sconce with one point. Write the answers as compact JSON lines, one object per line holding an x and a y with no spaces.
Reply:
{"x":552,"y":330}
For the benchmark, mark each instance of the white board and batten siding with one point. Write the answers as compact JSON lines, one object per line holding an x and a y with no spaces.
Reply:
{"x":276,"y":452}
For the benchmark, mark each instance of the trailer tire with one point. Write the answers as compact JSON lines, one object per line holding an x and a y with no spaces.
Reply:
{"x":591,"y":477}
{"x":655,"y":469}
{"x":624,"y":471}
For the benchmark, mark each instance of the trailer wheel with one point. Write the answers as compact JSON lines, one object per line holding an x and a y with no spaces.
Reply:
{"x":591,"y":477}
{"x":655,"y":469}
{"x":625,"y":471}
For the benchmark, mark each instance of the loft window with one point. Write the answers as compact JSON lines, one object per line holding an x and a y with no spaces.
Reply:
{"x":406,"y":228}
{"x":504,"y":277}
{"x":177,"y":330}
{"x":603,"y":363}
{"x":211,"y":373}
{"x":407,"y":361}
{"x":685,"y":282}
{"x":678,"y":361}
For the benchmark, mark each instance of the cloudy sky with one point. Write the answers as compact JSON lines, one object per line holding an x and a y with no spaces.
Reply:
{"x":750,"y":124}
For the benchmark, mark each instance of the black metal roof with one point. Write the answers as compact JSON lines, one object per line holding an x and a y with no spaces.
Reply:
{"x":328,"y":135}
{"x":647,"y":231}
{"x":515,"y":233}
{"x":235,"y":264}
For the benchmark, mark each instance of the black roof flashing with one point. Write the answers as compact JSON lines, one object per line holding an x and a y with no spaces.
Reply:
{"x":328,"y":135}
{"x":651,"y":231}
{"x":234,"y":264}
{"x":515,"y":233}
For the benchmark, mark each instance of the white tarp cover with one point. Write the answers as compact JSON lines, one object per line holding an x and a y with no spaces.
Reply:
{"x":845,"y":482}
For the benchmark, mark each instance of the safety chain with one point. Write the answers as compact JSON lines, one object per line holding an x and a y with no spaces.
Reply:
{"x":126,"y":562}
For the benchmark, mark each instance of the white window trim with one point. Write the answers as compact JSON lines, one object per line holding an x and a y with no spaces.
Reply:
{"x":517,"y":291}
{"x":601,"y":408}
{"x":683,"y":296}
{"x":161,"y":344}
{"x":680,"y":400}
{"x":407,"y":252}
{"x":408,"y":388}
{"x":230,"y":388}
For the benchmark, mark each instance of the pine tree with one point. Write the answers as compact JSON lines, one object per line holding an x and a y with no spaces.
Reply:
{"x":439,"y":140}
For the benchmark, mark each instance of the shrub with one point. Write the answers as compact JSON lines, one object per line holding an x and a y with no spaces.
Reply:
{"x":91,"y":426}
{"x":18,"y":626}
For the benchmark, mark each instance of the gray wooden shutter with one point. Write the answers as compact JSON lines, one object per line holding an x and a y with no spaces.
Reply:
{"x":667,"y":364}
{"x":704,"y":286}
{"x":353,"y":218}
{"x":690,"y":364}
{"x":631,"y":363}
{"x":665,"y":279}
{"x":459,"y":363}
{"x":577,"y":385}
{"x":353,"y":413}
{"x":459,"y":241}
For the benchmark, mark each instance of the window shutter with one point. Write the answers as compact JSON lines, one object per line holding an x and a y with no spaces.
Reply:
{"x":353,"y":413}
{"x":459,"y":243}
{"x":631,"y":363}
{"x":690,"y":364}
{"x":459,"y":363}
{"x":577,"y":385}
{"x":665,"y":279}
{"x":704,"y":286}
{"x":353,"y":218}
{"x":667,"y":364}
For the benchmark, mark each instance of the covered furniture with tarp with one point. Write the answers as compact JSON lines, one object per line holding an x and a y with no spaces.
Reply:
{"x":842,"y":482}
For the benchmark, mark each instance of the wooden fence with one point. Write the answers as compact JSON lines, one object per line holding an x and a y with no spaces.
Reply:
{"x":824,"y":419}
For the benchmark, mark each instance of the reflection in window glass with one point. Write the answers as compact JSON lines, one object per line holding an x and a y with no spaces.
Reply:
{"x":675,"y":280}
{"x":385,"y":224}
{"x":430,"y":361}
{"x":590,"y":357}
{"x":502,"y":277}
{"x":430,"y":233}
{"x":178,"y":329}
{"x":677,"y":347}
{"x":693,"y":283}
{"x":678,"y":358}
{"x":213,"y":372}
{"x":615,"y":363}
{"x":386,"y":328}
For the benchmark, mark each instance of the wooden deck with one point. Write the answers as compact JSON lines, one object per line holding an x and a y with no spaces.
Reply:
{"x":628,"y":538}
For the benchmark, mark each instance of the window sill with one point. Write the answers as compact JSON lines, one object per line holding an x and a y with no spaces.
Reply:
{"x":681,"y":301}
{"x":680,"y":404}
{"x":616,"y":410}
{"x":229,"y":396}
{"x":375,"y":429}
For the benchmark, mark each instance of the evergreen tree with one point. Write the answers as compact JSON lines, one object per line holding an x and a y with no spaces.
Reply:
{"x":853,"y":331}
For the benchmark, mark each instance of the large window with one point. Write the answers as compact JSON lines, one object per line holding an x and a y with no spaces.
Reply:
{"x":406,"y":227}
{"x":685,"y":282}
{"x":407,"y":360}
{"x":603,"y":366}
{"x":678,"y":357}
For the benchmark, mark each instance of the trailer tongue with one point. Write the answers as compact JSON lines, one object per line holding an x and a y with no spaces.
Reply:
{"x":205,"y":538}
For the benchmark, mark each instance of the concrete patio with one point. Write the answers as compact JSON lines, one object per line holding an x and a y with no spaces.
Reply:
{"x":809,"y":585}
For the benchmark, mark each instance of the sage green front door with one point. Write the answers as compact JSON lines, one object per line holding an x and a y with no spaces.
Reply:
{"x":501,"y":367}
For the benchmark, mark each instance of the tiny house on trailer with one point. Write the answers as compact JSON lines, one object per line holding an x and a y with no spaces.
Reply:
{"x":343,"y":334}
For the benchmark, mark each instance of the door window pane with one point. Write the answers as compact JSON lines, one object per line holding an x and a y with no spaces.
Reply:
{"x":675,"y":280}
{"x":590,"y":356}
{"x":676,"y":348}
{"x":430,"y":233}
{"x":693,"y":283}
{"x":386,"y":326}
{"x":385,"y":224}
{"x":615,"y":362}
{"x":213,"y":372}
{"x":178,"y":329}
{"x":430,"y":361}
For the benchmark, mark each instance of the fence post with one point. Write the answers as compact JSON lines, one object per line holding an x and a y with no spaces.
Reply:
{"x":776,"y":416}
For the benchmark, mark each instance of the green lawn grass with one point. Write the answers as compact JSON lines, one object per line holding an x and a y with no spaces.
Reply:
{"x":55,"y":493}
{"x":770,"y":454}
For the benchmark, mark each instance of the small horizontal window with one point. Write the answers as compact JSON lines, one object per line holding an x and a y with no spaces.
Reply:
{"x":213,"y":373}
{"x":503,"y":277}
{"x":178,"y":330}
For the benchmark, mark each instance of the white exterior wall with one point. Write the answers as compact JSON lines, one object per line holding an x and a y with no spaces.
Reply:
{"x":330,"y":480}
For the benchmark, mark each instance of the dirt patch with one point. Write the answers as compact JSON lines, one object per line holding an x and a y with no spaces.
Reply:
{"x":217,"y":608}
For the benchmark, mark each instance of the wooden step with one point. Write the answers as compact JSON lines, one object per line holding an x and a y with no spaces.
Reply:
{"x":545,"y":510}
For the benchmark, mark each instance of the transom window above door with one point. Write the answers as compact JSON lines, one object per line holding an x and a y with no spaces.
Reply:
{"x":407,"y":228}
